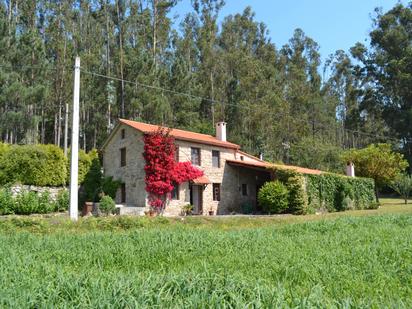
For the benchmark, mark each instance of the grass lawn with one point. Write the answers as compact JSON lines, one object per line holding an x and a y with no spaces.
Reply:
{"x":351,"y":259}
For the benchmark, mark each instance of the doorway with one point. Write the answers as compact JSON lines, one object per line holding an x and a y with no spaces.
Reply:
{"x":196,"y":199}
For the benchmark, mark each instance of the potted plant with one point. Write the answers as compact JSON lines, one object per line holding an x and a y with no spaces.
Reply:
{"x":151,"y":212}
{"x":187,"y":209}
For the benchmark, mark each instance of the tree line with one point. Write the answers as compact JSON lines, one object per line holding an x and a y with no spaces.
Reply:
{"x":279,"y":101}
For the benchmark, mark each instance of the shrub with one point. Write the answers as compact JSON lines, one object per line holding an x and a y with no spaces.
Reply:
{"x":298,"y":200}
{"x":296,"y":184}
{"x":62,"y":201}
{"x":110,"y":186}
{"x":337,"y":192}
{"x":273,"y":197}
{"x":92,"y":184}
{"x":30,"y":202}
{"x":6,"y":202}
{"x":107,"y":205}
{"x":343,"y":196}
{"x":41,"y":165}
{"x":26,"y":203}
{"x":85,"y":162}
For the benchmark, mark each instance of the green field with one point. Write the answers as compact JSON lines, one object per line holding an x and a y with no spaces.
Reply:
{"x":351,"y":259}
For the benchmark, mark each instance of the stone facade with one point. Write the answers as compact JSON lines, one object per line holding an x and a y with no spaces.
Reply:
{"x":238,"y":185}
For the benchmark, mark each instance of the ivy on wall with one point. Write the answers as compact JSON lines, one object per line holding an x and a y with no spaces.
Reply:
{"x":337,"y":192}
{"x":330,"y":192}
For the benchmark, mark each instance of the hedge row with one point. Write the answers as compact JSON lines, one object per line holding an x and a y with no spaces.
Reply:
{"x":336,"y":193}
{"x":40,"y":165}
{"x":26,"y":203}
{"x":331,"y":192}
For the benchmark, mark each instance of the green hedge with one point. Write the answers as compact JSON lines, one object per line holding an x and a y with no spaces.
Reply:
{"x":337,"y":192}
{"x":333,"y":192}
{"x":40,"y":165}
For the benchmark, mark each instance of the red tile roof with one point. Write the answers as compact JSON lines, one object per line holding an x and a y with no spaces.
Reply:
{"x":202,"y":180}
{"x":263,"y":164}
{"x":302,"y":170}
{"x":181,"y":134}
{"x":249,"y":163}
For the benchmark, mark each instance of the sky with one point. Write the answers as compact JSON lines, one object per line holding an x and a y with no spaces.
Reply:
{"x":333,"y":24}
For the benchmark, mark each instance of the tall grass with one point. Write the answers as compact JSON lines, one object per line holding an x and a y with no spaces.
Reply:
{"x":348,"y":262}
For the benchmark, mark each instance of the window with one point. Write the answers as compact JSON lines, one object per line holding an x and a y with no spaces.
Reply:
{"x":177,"y":153}
{"x":244,"y":189}
{"x":242,"y":158}
{"x":175,"y":192}
{"x":123,"y":193}
{"x":123,"y":157}
{"x":215,"y":158}
{"x":196,"y":156}
{"x":123,"y":133}
{"x":216,"y":191}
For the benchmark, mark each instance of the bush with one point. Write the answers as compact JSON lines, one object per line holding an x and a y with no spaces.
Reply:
{"x":6,"y":202}
{"x":343,"y":196}
{"x":62,"y":201}
{"x":110,"y":186}
{"x":107,"y":205}
{"x":41,"y":165}
{"x":273,"y":197}
{"x":92,"y":184}
{"x":30,"y":202}
{"x":296,"y":184}
{"x":85,"y":162}
{"x":337,"y":192}
{"x":298,"y":200}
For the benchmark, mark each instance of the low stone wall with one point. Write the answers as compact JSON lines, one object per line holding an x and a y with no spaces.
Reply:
{"x":53,"y":191}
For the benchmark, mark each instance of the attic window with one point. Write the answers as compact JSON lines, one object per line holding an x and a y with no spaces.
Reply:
{"x":123,"y":133}
{"x":242,"y":158}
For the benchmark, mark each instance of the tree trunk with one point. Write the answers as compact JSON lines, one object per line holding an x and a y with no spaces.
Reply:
{"x":119,"y":21}
{"x":154,"y":25}
{"x":376,"y":194}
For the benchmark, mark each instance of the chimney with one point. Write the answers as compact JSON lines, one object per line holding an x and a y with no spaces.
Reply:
{"x":221,"y":131}
{"x":350,"y":169}
{"x":261,"y":156}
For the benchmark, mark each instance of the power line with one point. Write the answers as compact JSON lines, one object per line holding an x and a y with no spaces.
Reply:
{"x":213,"y":101}
{"x":223,"y":103}
{"x":154,"y":87}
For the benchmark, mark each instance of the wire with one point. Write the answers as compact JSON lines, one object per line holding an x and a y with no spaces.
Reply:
{"x":223,"y":103}
{"x":152,"y":87}
{"x":213,"y":101}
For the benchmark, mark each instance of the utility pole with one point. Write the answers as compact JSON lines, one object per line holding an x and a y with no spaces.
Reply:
{"x":74,"y":162}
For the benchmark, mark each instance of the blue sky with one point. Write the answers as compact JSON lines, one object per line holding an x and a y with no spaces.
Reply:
{"x":333,"y":24}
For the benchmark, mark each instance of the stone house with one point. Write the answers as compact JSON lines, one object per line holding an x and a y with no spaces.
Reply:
{"x":231,"y":178}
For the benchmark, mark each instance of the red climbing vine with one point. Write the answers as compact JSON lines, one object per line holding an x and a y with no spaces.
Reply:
{"x":162,"y":170}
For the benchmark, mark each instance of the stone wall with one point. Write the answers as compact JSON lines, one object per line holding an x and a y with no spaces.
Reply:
{"x":132,"y":175}
{"x":53,"y":191}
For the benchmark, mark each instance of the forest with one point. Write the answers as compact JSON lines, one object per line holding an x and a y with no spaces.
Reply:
{"x":139,"y":62}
